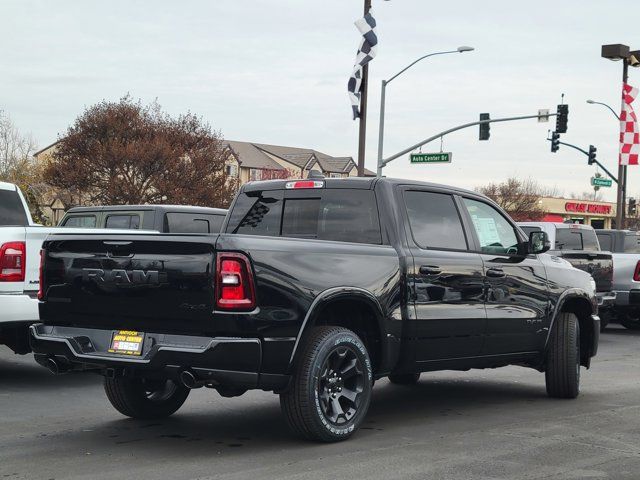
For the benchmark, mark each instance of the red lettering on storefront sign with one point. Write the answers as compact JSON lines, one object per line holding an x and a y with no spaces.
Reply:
{"x":587,"y":208}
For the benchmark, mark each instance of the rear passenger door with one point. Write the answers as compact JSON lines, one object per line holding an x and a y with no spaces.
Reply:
{"x":446,"y":280}
{"x":517,"y":298}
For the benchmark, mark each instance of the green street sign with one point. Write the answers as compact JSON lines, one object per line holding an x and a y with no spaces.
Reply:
{"x":601,"y":182}
{"x":442,"y":157}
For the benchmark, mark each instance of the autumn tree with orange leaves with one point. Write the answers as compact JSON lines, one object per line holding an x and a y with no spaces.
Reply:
{"x":125,"y":152}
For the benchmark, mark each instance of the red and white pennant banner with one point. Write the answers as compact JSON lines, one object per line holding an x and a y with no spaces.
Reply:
{"x":629,"y":133}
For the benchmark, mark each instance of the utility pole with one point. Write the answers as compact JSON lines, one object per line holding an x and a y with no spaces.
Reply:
{"x":362,"y":133}
{"x":621,"y":52}
{"x":622,"y":170}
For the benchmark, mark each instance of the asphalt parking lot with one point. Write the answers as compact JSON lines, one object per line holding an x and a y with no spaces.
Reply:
{"x":481,"y":424}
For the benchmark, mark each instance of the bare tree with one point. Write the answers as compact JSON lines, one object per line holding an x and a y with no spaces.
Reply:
{"x":18,"y":166}
{"x":520,"y":198}
{"x":596,"y":196}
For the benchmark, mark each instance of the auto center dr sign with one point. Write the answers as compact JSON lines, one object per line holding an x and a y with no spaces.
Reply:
{"x":594,"y":208}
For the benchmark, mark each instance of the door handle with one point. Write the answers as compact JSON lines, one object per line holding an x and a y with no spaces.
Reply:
{"x":430,"y":270}
{"x":495,"y":273}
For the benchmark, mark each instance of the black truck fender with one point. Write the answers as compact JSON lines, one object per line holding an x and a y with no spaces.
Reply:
{"x":579,"y":301}
{"x":369,"y":325}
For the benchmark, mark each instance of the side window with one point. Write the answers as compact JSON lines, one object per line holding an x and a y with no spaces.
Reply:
{"x":340,"y":215}
{"x":605,"y":241}
{"x":257,"y":214}
{"x":11,"y":209}
{"x":434,"y":220}
{"x":568,"y":240}
{"x":81,"y":221}
{"x":495,"y":233}
{"x":186,"y":223}
{"x":127,"y":222}
{"x":215,"y":223}
{"x":631,"y":243}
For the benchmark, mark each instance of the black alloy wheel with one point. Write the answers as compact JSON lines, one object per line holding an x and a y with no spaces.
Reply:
{"x":341,"y":385}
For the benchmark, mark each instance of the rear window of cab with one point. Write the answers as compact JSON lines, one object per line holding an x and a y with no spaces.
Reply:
{"x":345,"y":215}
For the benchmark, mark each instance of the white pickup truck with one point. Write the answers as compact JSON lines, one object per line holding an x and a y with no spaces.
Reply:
{"x":20,"y":244}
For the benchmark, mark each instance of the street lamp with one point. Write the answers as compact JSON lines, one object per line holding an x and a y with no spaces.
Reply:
{"x":593,"y":102}
{"x":617,"y":52}
{"x":383,"y":88}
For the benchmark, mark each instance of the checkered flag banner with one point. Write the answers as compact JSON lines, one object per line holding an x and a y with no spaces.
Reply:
{"x":366,"y":53}
{"x":629,"y":133}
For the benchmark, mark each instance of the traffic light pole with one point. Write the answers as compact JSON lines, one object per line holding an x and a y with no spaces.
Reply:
{"x":615,"y":179}
{"x":383,"y":162}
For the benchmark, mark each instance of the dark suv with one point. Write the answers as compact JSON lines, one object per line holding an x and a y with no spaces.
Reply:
{"x":315,"y":289}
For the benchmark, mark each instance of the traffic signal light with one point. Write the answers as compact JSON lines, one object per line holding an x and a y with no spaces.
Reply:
{"x":633,"y":207}
{"x":562,"y":118}
{"x":592,"y":154}
{"x":484,"y":127}
{"x":555,"y":142}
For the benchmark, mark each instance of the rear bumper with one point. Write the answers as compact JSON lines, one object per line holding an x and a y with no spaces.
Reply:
{"x":18,"y":308}
{"x":606,"y":299}
{"x":627,"y":298}
{"x":219,"y":361}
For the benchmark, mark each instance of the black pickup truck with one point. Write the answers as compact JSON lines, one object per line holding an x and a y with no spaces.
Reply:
{"x":315,"y":289}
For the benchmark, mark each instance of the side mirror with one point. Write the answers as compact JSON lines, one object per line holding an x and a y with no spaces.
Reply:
{"x":539,"y":242}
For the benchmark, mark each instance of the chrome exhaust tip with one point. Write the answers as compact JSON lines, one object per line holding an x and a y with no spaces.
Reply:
{"x":189,"y":380}
{"x":54,"y":367}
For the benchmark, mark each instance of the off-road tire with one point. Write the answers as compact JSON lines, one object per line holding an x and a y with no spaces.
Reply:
{"x":562,"y":373}
{"x":132,"y":397}
{"x":629,"y":322}
{"x":307,"y":406}
{"x":404,"y":378}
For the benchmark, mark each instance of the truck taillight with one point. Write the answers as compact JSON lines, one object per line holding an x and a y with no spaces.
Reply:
{"x":636,"y":273}
{"x":13,"y":257}
{"x":234,"y":282}
{"x":41,"y":276}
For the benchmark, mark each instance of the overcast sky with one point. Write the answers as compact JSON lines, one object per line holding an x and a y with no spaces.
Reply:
{"x":276,"y":72}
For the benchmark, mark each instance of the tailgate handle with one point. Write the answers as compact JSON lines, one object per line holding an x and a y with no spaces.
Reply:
{"x":118,"y":248}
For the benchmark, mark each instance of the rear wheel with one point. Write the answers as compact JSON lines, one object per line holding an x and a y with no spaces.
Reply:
{"x":629,"y":322}
{"x":331,"y":386}
{"x":562,"y":372}
{"x":404,"y":378}
{"x":145,"y":398}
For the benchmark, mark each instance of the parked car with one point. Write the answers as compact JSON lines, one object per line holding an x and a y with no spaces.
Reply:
{"x":315,"y":289}
{"x":578,"y":244}
{"x":20,"y":243}
{"x":162,"y":218}
{"x":625,"y":245}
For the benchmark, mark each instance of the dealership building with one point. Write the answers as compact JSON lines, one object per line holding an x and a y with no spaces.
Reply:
{"x":587,"y":212}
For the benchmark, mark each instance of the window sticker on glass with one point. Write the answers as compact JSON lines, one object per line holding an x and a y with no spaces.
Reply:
{"x":487,"y":230}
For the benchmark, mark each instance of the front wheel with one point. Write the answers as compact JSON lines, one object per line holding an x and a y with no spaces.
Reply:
{"x":145,"y":398}
{"x":562,"y":372}
{"x":330,"y":390}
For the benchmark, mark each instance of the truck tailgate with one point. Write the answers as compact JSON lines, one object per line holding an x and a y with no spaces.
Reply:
{"x":132,"y":282}
{"x":598,"y":264}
